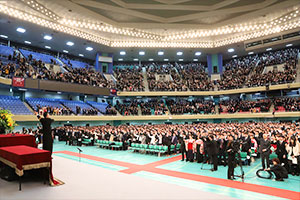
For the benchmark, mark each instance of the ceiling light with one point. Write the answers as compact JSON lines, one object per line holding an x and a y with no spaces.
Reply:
{"x":89,"y":48}
{"x":179,"y":53}
{"x":250,"y":53}
{"x":27,"y":42}
{"x":150,"y":59}
{"x":135,"y":59}
{"x":65,"y":51}
{"x":3,"y":36}
{"x":141,"y":53}
{"x":81,"y":55}
{"x":160,"y":53}
{"x":122,"y":53}
{"x":120,"y":59}
{"x":230,"y":50}
{"x":289,"y":45}
{"x":166,"y":59}
{"x":47,"y":47}
{"x":21,"y":30}
{"x":70,"y":43}
{"x":48,"y":37}
{"x":268,"y":49}
{"x":198,"y":53}
{"x":234,"y":56}
{"x":180,"y":59}
{"x":195,"y":59}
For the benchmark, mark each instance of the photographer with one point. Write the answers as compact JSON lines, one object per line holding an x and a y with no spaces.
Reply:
{"x":231,"y":157}
{"x":279,"y":171}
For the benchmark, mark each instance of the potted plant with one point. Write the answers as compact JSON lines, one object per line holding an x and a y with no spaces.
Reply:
{"x":6,"y":121}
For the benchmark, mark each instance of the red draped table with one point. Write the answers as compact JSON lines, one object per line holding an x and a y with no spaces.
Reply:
{"x":17,"y":139}
{"x":23,"y":157}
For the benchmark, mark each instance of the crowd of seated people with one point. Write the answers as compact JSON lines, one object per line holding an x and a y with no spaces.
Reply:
{"x":53,"y":110}
{"x":289,"y":104}
{"x":32,"y":68}
{"x":196,"y":106}
{"x":153,"y":106}
{"x":130,"y":79}
{"x":85,"y":76}
{"x":174,"y":82}
{"x":228,"y":106}
{"x":127,"y":108}
{"x":193,"y":139}
{"x":86,"y":111}
{"x":195,"y":77}
{"x":288,"y":57}
{"x":262,"y":105}
{"x":236,"y":73}
{"x":109,"y":110}
{"x":235,"y":105}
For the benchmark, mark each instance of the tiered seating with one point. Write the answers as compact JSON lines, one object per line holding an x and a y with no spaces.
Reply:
{"x":14,"y":104}
{"x":74,"y":63}
{"x":100,"y":106}
{"x":6,"y":51}
{"x":38,"y":56}
{"x":43,"y":102}
{"x":73,"y":104}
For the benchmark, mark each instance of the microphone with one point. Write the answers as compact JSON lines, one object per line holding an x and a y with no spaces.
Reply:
{"x":79,"y":149}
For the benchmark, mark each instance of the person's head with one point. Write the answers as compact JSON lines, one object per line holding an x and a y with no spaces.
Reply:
{"x":45,"y":114}
{"x":276,"y":161}
{"x":230,"y":137}
{"x":281,"y":138}
{"x":265,"y":136}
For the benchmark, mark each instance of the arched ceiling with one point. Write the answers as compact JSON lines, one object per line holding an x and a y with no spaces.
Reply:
{"x":161,"y":23}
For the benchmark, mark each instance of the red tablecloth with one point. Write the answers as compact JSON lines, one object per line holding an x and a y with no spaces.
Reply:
{"x":17,"y":139}
{"x":25,"y":158}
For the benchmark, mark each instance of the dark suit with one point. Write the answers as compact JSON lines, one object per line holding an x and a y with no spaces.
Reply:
{"x":47,"y":136}
{"x":265,"y":155}
{"x":182,"y":147}
{"x":167,"y":142}
{"x":279,"y":171}
{"x":174,"y":141}
{"x":281,"y":151}
{"x":231,"y":159}
{"x":212,"y":150}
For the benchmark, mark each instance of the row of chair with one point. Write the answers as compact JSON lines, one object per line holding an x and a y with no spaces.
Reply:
{"x":159,"y":149}
{"x":109,"y":144}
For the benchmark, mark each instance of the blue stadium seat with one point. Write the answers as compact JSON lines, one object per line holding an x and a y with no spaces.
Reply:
{"x":14,"y":104}
{"x":6,"y":51}
{"x":38,"y":56}
{"x":75,"y":63}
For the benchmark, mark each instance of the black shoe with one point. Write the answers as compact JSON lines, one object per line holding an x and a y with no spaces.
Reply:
{"x":279,"y":179}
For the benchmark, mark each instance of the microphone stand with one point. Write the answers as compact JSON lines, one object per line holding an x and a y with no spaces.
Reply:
{"x":79,"y":151}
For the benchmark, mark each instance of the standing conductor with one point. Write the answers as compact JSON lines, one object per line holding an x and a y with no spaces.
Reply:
{"x":46,"y":130}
